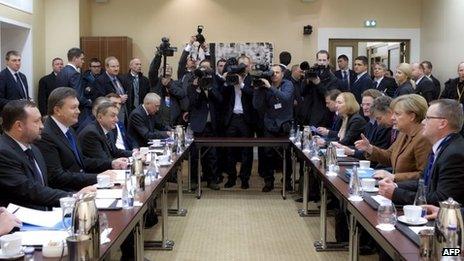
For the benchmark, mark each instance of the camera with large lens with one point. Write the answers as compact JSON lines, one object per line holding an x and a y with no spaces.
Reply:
{"x":165,"y":47}
{"x":204,"y":77}
{"x":321,"y":71}
{"x":234,"y":72}
{"x":260,"y":72}
{"x":200,"y":38}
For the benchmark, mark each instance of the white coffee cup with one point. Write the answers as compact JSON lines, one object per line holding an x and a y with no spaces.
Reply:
{"x":340,"y":152}
{"x":163,"y":159}
{"x":368,"y":184}
{"x":103,"y":181}
{"x":156,"y":143}
{"x":364,"y":164}
{"x":144,"y":150}
{"x":412,"y":212}
{"x":10,"y":244}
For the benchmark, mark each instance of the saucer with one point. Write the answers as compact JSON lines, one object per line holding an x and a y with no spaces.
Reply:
{"x":18,"y":255}
{"x":372,"y":190}
{"x":420,"y":221}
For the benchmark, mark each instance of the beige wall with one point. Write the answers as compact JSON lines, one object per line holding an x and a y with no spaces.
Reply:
{"x":278,"y":21}
{"x":442,"y":36}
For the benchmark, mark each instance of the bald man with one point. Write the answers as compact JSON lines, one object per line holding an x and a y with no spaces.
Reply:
{"x":136,"y":83}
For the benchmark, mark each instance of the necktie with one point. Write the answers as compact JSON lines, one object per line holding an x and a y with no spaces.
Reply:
{"x":72,"y":142}
{"x":394,"y":132}
{"x":378,"y":84}
{"x":344,"y":76}
{"x":117,"y":86}
{"x":428,"y":170}
{"x":136,"y":91}
{"x":21,"y":86}
{"x":110,"y":141}
{"x":32,"y":161}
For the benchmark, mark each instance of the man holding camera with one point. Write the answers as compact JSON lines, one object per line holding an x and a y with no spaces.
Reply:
{"x":204,"y":97}
{"x":275,"y":100}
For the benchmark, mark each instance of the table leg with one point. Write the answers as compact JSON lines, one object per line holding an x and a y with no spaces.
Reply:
{"x":179,"y":211}
{"x":165,"y":243}
{"x":354,"y":239}
{"x":189,"y":172}
{"x":294,"y":172}
{"x":305,"y":212}
{"x":284,"y":173}
{"x":323,"y":245}
{"x":199,"y":174}
{"x":138,"y":240}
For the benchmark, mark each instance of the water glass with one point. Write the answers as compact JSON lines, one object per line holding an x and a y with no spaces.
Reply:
{"x":386,"y":216}
{"x":67,"y":205}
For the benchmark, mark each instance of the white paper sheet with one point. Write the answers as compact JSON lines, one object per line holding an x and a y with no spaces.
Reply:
{"x":416,"y":229}
{"x":109,"y":193}
{"x":36,"y":217}
{"x":41,"y":237}
{"x":107,"y":203}
{"x":379,"y":199}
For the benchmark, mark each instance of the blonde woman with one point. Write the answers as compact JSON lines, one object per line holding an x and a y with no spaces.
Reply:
{"x":403,"y":79}
{"x":353,"y":123}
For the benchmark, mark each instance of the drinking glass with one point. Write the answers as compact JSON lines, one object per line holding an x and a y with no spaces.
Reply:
{"x":67,"y":205}
{"x":386,"y":216}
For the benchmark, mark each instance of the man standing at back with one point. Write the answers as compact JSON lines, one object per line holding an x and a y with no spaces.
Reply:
{"x":13,"y":84}
{"x":362,"y":81}
{"x":428,"y":72}
{"x":345,"y":75}
{"x":47,"y":84}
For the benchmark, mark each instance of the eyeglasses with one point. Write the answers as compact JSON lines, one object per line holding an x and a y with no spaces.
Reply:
{"x":434,"y":117}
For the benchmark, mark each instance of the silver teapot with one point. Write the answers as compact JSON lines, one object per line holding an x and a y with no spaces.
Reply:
{"x":86,"y":223}
{"x":448,"y":228}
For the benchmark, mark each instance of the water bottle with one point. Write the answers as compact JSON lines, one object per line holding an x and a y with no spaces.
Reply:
{"x":152,"y":171}
{"x":421,"y":199}
{"x":127,"y":192}
{"x":355,"y":188}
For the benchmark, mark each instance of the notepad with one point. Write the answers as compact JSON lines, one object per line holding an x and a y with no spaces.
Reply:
{"x":104,"y":203}
{"x":48,"y":219}
{"x":416,"y":229}
{"x":109,"y":193}
{"x":379,"y":199}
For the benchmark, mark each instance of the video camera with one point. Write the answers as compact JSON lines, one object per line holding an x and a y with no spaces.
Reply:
{"x":204,"y":77}
{"x":316,"y":70}
{"x":165,"y":47}
{"x":200,"y":38}
{"x":233,"y":72}
{"x":260,"y":72}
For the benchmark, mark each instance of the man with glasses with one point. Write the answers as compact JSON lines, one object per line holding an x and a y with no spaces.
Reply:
{"x":91,"y":75}
{"x":444,"y":173}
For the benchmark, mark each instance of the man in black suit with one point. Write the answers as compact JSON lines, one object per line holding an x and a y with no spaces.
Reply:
{"x":70,"y":76}
{"x":382,"y":83}
{"x":427,"y":65}
{"x":143,"y":123}
{"x":47,"y":84}
{"x":444,"y":174}
{"x":137,"y":85}
{"x":90,"y":76}
{"x":13,"y":83}
{"x":363,"y":81}
{"x":345,"y":75}
{"x":424,"y":86}
{"x":59,"y":144}
{"x":121,"y":140}
{"x":96,"y":140}
{"x":24,"y":179}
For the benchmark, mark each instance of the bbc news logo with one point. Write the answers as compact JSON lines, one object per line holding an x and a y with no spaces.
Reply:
{"x":451,"y":252}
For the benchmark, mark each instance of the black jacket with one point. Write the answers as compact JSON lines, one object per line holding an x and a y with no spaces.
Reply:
{"x":345,"y":85}
{"x":178,"y":102}
{"x":128,"y":83}
{"x":354,"y":127}
{"x":405,"y":88}
{"x":446,"y":177}
{"x":426,"y":89}
{"x":359,"y":86}
{"x":103,"y":86}
{"x":387,"y":85}
{"x":18,"y":184}
{"x":199,"y":106}
{"x":143,"y":127}
{"x":94,"y":144}
{"x":46,"y":85}
{"x":9,"y":89}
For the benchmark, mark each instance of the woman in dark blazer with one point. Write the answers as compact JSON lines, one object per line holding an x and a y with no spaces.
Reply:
{"x":403,"y":79}
{"x":353,"y":123}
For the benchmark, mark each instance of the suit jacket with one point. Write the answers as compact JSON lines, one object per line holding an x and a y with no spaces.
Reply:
{"x":10,"y":89}
{"x":143,"y":127}
{"x":446,"y":177}
{"x":426,"y":89}
{"x":345,"y":85}
{"x":94,"y":144}
{"x":387,"y":85}
{"x":229,"y":102}
{"x":103,"y":86}
{"x":405,"y":88}
{"x":46,"y":85}
{"x":18,"y":184}
{"x":377,"y":136}
{"x":126,"y":139}
{"x":354,"y":127}
{"x":312,"y":109}
{"x":450,"y":91}
{"x":178,"y":102}
{"x":59,"y":156}
{"x":437,"y":85}
{"x":407,"y":155}
{"x":359,"y":86}
{"x":128,"y":83}
{"x":201,"y":104}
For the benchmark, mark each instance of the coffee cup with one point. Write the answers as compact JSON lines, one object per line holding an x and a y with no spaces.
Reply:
{"x":156,"y":143}
{"x":364,"y":164}
{"x":340,"y":152}
{"x":163,"y":159}
{"x":412,"y":212}
{"x":368,"y":184}
{"x":103,"y":181}
{"x":144,"y":150}
{"x":10,"y":244}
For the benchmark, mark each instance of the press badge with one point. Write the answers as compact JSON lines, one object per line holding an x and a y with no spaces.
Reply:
{"x":278,"y":106}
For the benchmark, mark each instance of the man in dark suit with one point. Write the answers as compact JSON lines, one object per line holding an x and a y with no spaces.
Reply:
{"x":137,"y":85}
{"x":24,"y":179}
{"x":59,"y":144}
{"x":96,"y":139}
{"x":363,"y":81}
{"x":70,"y":76}
{"x":444,"y":174}
{"x":143,"y":123}
{"x":90,"y":76}
{"x":13,"y":83}
{"x":121,"y":140}
{"x":428,"y":72}
{"x":382,"y":83}
{"x":424,"y":86}
{"x":275,"y":100}
{"x":345,"y":75}
{"x":47,"y":84}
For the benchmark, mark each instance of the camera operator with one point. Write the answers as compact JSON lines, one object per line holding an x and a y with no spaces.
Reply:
{"x":204,"y":98}
{"x":174,"y":100}
{"x":275,"y":99}
{"x":188,"y":62}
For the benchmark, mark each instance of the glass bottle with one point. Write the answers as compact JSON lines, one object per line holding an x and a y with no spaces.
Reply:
{"x":127,"y":192}
{"x":421,"y":199}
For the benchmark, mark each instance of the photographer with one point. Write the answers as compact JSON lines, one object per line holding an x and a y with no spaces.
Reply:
{"x":274,"y":98}
{"x":190,"y":57}
{"x":204,"y":98}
